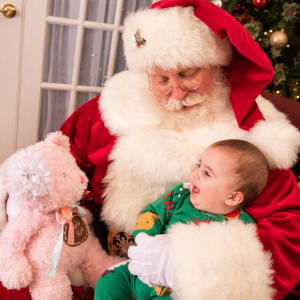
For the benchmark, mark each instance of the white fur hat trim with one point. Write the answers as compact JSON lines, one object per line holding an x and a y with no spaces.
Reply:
{"x":172,"y":37}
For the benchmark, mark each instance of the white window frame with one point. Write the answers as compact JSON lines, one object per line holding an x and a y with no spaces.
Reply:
{"x":35,"y":24}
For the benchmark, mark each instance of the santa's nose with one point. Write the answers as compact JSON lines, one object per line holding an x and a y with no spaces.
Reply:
{"x":178,"y":93}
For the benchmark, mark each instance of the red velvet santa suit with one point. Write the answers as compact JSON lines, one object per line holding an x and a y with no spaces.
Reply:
{"x":124,"y":141}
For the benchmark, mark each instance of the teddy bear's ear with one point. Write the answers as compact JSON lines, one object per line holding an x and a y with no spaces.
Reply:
{"x":59,"y":139}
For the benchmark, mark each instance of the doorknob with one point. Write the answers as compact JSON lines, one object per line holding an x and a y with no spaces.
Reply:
{"x":8,"y":10}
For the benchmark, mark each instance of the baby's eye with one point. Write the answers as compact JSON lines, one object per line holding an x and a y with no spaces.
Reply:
{"x":198,"y":165}
{"x":206,"y":173}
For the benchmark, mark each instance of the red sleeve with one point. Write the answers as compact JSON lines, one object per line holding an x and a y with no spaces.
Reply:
{"x":277,"y":213}
{"x":90,"y":143}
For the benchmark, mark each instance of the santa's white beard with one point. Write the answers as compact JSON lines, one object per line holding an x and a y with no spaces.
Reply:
{"x":196,"y":108}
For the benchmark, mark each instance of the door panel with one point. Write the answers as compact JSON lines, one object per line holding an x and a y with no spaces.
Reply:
{"x":10,"y":45}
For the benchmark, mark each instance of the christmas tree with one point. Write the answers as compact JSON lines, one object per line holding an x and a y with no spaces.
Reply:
{"x":275,"y":26}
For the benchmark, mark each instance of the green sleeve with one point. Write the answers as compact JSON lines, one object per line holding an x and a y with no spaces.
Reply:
{"x":153,"y":219}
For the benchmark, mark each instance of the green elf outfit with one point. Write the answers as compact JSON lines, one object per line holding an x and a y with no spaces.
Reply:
{"x":173,"y":207}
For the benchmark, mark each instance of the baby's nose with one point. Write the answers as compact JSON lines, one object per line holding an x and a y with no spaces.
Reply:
{"x":196,"y":174}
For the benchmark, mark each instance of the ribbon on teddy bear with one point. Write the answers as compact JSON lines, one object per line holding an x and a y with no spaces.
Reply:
{"x":64,"y":218}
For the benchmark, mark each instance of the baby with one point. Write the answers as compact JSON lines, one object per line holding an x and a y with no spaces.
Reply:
{"x":230,"y":174}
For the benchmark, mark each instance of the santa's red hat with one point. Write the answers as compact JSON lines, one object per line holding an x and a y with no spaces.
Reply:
{"x":198,"y":33}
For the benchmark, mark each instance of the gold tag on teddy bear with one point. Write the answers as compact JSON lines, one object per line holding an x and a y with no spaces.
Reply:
{"x":76,"y":235}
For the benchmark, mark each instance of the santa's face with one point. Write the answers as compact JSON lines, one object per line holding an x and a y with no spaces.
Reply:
{"x":190,"y":107}
{"x":212,"y":183}
{"x":178,"y":98}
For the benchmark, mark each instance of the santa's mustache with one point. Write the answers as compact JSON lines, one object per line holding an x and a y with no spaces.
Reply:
{"x":192,"y":98}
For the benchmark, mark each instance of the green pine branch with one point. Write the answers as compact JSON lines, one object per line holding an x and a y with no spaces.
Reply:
{"x":275,"y":15}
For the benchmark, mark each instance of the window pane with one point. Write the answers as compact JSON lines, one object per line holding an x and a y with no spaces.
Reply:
{"x":101,"y":11}
{"x":134,"y":5}
{"x":54,"y":110}
{"x":120,"y":59}
{"x":64,"y":8}
{"x":59,"y":53}
{"x":82,"y":98}
{"x":95,"y":57}
{"x":129,"y":5}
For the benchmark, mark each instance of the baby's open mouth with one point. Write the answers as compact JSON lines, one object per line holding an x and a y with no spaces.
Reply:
{"x":195,"y":189}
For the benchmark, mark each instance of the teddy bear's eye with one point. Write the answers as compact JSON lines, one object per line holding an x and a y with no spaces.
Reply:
{"x":64,"y":174}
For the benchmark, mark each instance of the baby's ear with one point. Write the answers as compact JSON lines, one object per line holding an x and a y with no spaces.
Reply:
{"x":235,"y":198}
{"x":59,"y":139}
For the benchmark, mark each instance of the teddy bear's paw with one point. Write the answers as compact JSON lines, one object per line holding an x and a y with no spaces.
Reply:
{"x":17,"y":281}
{"x":17,"y":275}
{"x":52,"y":294}
{"x":58,"y":288}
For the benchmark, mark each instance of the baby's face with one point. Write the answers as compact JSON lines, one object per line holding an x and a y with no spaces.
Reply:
{"x":213,"y":181}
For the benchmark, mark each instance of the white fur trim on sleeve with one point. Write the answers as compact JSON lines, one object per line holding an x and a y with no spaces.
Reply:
{"x":278,"y":140}
{"x":276,"y":137}
{"x":219,"y":261}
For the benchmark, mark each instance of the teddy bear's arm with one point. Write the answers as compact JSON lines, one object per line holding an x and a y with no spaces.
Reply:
{"x":97,"y":261}
{"x":15,"y":270}
{"x":88,"y":217}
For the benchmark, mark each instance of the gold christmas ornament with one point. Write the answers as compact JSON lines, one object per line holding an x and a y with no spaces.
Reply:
{"x":278,"y":39}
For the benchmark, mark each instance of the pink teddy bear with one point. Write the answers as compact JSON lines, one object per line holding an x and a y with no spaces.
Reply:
{"x":50,"y":237}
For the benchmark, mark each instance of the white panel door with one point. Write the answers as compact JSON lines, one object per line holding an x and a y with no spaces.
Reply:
{"x":54,"y":56}
{"x":21,"y":52}
{"x":10,"y":45}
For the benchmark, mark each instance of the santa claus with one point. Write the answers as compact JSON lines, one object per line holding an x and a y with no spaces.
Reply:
{"x":195,"y":76}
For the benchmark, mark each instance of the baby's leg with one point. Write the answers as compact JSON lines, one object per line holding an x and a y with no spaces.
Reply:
{"x":115,"y":283}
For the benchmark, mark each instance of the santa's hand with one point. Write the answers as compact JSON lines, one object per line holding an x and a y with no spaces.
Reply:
{"x":150,"y":260}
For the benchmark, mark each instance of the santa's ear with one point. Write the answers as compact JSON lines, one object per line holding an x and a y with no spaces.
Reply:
{"x":59,"y":139}
{"x":235,"y":198}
